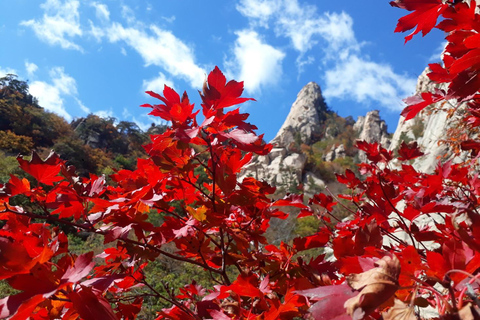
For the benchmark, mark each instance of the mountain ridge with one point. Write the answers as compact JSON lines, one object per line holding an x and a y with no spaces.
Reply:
{"x":313,"y":143}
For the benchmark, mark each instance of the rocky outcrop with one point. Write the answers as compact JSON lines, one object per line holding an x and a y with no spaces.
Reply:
{"x":309,"y":127}
{"x":303,"y":123}
{"x":336,"y":152}
{"x":285,"y":165}
{"x":428,"y":129}
{"x":372,"y":128}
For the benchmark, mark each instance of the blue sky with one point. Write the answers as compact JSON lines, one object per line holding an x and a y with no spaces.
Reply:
{"x":83,"y":56}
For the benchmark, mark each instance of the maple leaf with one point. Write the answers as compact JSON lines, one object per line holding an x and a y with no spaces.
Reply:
{"x":326,"y":201}
{"x":14,"y":187}
{"x":376,"y":286}
{"x":174,"y":109}
{"x":218,"y":94}
{"x":44,"y":171}
{"x":439,"y":74}
{"x":90,"y":305}
{"x":330,"y":301}
{"x":471,"y":145}
{"x":424,"y":16}
{"x":317,"y":240}
{"x":82,"y":267}
{"x":409,"y":151}
{"x":417,"y":103}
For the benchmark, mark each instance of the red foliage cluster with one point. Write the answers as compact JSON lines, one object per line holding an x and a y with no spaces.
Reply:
{"x":412,"y":243}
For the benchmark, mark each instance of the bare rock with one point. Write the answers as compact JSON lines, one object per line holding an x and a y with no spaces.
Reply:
{"x":303,"y":121}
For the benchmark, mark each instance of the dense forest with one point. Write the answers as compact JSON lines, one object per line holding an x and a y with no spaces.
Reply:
{"x":92,"y":144}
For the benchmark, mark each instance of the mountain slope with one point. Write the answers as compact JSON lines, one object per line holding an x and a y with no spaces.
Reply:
{"x":313,"y":143}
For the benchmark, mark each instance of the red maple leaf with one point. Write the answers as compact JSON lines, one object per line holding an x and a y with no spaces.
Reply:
{"x":409,"y":151}
{"x":218,"y":94}
{"x":417,"y":103}
{"x":44,"y":171}
{"x":424,"y":16}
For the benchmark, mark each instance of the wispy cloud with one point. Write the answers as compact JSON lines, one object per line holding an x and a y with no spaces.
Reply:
{"x":260,"y":11}
{"x":368,"y":82}
{"x":59,"y":24}
{"x":30,"y":67}
{"x":161,"y":48}
{"x":255,"y":62}
{"x":5,"y":71}
{"x":302,"y":24}
{"x":51,"y":96}
{"x":101,"y":11}
{"x":348,"y":73}
{"x":157,"y":84}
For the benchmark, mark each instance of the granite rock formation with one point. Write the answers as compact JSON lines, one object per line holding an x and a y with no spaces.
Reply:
{"x":312,"y":142}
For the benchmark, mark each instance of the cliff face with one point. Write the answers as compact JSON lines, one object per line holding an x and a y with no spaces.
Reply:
{"x":313,"y":143}
{"x":429,"y":128}
{"x":304,"y":120}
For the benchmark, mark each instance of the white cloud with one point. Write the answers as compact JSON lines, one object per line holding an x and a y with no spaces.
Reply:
{"x":51,"y":96}
{"x":101,"y":11}
{"x":82,"y":106}
{"x":63,"y":82}
{"x":123,"y":51}
{"x":128,"y":14}
{"x":256,"y":63}
{"x":60,"y":22}
{"x":437,"y":54}
{"x":5,"y":71}
{"x":161,"y":48}
{"x":170,"y":19}
{"x":157,"y":84}
{"x":104,"y":113}
{"x":96,"y":32}
{"x":300,"y":23}
{"x":366,"y":82}
{"x":259,"y":11}
{"x":348,"y":73}
{"x":30,"y":67}
{"x":146,"y":122}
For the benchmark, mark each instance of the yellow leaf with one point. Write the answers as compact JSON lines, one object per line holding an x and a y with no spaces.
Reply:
{"x":198,"y":213}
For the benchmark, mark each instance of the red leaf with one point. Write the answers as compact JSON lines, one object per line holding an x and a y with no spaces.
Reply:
{"x":409,"y":151}
{"x":348,"y":179}
{"x":439,"y":74}
{"x":291,"y":200}
{"x":218,"y":95}
{"x":323,"y":200}
{"x":472,"y":145}
{"x":90,"y":305}
{"x":44,"y":171}
{"x":317,"y":240}
{"x":19,"y":306}
{"x":240,"y":136}
{"x":470,"y":60}
{"x":464,"y":86}
{"x":82,"y":267}
{"x":174,"y":109}
{"x":245,"y":286}
{"x":15,"y":186}
{"x":416,"y":103}
{"x":424,"y":15}
{"x":330,"y":301}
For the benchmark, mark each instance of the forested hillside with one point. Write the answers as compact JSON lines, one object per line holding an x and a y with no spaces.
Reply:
{"x":92,"y":144}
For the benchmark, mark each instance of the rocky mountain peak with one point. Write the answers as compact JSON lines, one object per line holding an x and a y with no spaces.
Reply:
{"x":313,"y":143}
{"x":372,"y":128}
{"x":305,"y":117}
